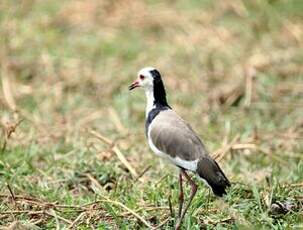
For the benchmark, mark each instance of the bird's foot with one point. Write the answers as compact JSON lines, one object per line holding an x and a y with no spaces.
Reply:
{"x":178,"y":225}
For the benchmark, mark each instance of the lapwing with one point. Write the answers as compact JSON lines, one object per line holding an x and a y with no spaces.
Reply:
{"x":173,"y":139}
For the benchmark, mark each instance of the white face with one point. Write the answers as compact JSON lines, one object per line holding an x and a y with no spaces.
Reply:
{"x":144,"y":79}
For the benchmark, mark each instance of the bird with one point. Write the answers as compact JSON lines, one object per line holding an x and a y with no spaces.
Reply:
{"x":172,"y":138}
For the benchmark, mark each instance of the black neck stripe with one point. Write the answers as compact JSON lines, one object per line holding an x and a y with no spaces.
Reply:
{"x":159,"y":90}
{"x":160,"y":102}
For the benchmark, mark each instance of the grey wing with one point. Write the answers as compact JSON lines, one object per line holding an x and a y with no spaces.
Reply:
{"x":173,"y":136}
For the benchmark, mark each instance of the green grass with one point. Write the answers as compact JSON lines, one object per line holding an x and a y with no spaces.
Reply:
{"x":69,"y":64}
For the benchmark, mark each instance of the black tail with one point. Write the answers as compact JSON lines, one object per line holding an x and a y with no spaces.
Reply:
{"x":209,"y":170}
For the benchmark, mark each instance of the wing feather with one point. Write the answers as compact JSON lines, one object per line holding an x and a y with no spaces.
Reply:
{"x":173,"y":136}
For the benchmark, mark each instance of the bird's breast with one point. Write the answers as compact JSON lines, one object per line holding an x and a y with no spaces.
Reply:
{"x":153,"y":147}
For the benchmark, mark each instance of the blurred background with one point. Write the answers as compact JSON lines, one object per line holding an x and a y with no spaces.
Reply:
{"x":72,"y":136}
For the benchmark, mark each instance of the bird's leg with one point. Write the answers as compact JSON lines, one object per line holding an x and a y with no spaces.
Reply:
{"x":207,"y":204}
{"x":181,"y":195}
{"x":192,"y":194}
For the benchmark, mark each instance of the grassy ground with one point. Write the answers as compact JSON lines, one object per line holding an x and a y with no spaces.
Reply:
{"x":232,"y":69}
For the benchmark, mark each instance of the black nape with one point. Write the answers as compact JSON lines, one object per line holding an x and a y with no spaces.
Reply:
{"x":159,"y":90}
{"x":160,"y":101}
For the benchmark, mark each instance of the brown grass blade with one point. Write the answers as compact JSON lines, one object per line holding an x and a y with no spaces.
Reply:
{"x":117,"y":152}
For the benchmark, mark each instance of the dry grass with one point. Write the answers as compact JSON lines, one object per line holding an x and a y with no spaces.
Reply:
{"x":65,"y":67}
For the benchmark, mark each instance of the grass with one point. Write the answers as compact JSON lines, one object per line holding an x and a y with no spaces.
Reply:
{"x":233,"y":70}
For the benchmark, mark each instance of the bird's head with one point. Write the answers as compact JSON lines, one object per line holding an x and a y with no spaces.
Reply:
{"x":150,"y":80}
{"x":147,"y":78}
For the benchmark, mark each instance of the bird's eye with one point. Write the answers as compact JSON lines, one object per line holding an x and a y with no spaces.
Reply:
{"x":142,"y":77}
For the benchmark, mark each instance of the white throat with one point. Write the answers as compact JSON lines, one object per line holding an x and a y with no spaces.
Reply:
{"x":149,"y":92}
